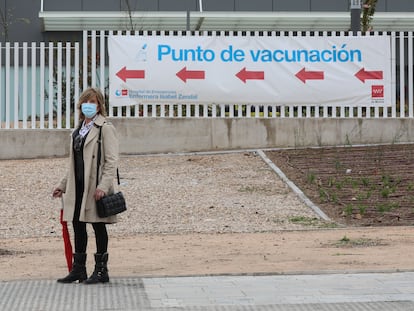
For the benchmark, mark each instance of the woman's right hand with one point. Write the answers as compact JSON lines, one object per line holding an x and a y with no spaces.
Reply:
{"x":57,"y":193}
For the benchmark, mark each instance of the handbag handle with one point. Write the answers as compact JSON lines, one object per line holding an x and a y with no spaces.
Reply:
{"x":99,"y":159}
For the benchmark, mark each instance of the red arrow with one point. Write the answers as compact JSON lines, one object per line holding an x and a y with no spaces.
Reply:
{"x":185,"y":74}
{"x":252,"y":75}
{"x":125,"y":74}
{"x":365,"y":75}
{"x":304,"y":75}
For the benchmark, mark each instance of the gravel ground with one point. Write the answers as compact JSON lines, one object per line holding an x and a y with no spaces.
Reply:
{"x":168,"y":194}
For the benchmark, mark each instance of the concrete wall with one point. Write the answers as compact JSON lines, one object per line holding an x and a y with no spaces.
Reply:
{"x":23,"y":144}
{"x":164,"y":135}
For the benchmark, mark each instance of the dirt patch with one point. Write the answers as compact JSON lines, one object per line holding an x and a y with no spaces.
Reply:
{"x":355,"y":186}
{"x":284,"y":252}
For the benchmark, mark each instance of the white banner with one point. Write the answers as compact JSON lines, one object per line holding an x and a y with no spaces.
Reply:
{"x":350,"y":71}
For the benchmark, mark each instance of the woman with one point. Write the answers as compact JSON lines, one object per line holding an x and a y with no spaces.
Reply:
{"x":81,"y":190}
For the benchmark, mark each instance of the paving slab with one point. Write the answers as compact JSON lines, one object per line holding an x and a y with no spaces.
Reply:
{"x":358,"y":291}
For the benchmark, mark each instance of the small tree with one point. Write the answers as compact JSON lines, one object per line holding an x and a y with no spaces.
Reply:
{"x":368,"y":10}
{"x":131,"y":25}
{"x":7,"y":19}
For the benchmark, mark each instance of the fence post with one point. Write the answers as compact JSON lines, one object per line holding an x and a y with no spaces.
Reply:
{"x":7,"y":85}
{"x":59,"y":86}
{"x":1,"y":87}
{"x":33,"y":97}
{"x":25,"y":89}
{"x":51,"y":91}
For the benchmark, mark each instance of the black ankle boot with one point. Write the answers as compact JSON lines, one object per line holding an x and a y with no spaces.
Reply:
{"x":100,"y":274}
{"x":78,"y":272}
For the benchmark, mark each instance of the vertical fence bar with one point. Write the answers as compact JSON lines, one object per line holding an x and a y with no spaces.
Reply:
{"x":308,"y":111}
{"x":111,"y":109}
{"x":240,"y":110}
{"x":85,"y":60}
{"x":187,"y":110}
{"x":119,"y":108}
{"x":16,"y":86}
{"x":308,"y":107}
{"x":231,"y":110}
{"x":68,"y":85}
{"x":77,"y":82}
{"x":402,"y":78}
{"x":128,"y":107}
{"x":282,"y":111}
{"x":7,"y":85}
{"x":1,"y":86}
{"x":42,"y":85}
{"x":376,"y":108}
{"x":342,"y":111}
{"x":393,"y":75}
{"x":59,"y":86}
{"x":282,"y":105}
{"x":93,"y":58}
{"x":162,"y":110}
{"x":410,"y":74}
{"x":50,"y":85}
{"x":25,"y":88}
{"x":325,"y":111}
{"x":205,"y":110}
{"x":222,"y":111}
{"x":170,"y":110}
{"x":317,"y":111}
{"x":33,"y":97}
{"x":102,"y":58}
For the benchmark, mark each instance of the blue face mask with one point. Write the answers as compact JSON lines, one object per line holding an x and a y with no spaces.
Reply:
{"x":89,"y":110}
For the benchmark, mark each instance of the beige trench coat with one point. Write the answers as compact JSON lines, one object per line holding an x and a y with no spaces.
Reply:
{"x":107,"y":172}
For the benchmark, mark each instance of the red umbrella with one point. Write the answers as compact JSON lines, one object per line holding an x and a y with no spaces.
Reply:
{"x":66,"y":240}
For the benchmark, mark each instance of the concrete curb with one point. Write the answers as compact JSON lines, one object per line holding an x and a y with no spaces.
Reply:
{"x":292,"y":186}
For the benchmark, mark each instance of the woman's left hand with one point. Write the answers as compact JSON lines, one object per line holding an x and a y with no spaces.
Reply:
{"x":99,"y":194}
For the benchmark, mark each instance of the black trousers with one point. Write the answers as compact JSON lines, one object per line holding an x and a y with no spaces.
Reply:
{"x":79,"y":227}
{"x":81,"y":236}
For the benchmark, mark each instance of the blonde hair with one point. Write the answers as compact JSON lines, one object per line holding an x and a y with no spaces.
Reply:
{"x":88,"y":94}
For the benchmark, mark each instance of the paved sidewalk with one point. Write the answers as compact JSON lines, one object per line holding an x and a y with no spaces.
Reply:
{"x":364,"y":291}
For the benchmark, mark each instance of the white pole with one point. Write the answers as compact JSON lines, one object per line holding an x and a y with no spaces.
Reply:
{"x":200,"y":4}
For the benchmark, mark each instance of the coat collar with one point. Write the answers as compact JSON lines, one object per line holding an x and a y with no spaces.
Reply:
{"x":100,"y":120}
{"x":94,"y":132}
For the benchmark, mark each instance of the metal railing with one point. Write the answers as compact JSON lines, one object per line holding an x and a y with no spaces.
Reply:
{"x":40,"y":82}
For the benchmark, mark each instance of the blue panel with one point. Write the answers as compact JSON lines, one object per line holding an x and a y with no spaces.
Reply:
{"x":139,"y":5}
{"x":142,"y":5}
{"x":381,"y":5}
{"x":292,"y":5}
{"x":178,"y":5}
{"x":61,"y":5}
{"x":329,"y":5}
{"x":102,"y":5}
{"x":400,"y":5}
{"x":218,"y":5}
{"x":257,"y":5}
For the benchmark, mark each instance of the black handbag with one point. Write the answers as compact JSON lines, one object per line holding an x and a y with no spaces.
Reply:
{"x":111,"y":204}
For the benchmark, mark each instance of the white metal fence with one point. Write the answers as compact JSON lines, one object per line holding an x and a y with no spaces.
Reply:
{"x":40,"y":82}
